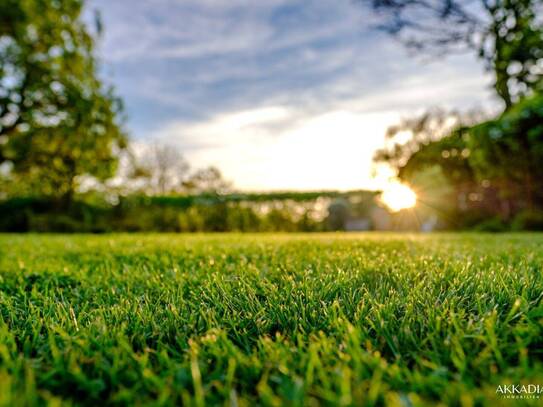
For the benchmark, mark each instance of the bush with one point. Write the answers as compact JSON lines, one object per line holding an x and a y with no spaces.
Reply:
{"x":54,"y":222}
{"x":494,"y":225}
{"x":528,"y":220}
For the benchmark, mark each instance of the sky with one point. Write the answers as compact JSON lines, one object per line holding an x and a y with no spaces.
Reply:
{"x":278,"y":94}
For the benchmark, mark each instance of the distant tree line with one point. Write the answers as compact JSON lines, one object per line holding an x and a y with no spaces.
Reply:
{"x":203,"y":212}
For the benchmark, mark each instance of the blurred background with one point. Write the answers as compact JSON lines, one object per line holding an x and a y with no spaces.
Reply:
{"x":276,"y":115}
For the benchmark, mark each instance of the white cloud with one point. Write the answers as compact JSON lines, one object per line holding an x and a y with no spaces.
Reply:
{"x":223,"y":130}
{"x":278,"y":148}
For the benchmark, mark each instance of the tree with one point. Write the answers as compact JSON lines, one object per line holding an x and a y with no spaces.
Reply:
{"x":507,"y":153}
{"x":430,"y":152}
{"x":406,"y":138}
{"x":338,"y":214}
{"x":436,"y":137}
{"x":160,"y":169}
{"x":506,"y":34}
{"x":207,"y":180}
{"x":494,"y":167}
{"x":57,"y":120}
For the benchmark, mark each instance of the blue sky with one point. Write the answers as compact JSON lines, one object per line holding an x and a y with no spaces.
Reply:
{"x":278,"y":94}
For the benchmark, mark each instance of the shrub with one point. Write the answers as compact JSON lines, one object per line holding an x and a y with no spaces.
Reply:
{"x":528,"y":220}
{"x":494,"y":225}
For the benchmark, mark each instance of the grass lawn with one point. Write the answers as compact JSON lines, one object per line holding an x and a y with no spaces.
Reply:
{"x":241,"y":320}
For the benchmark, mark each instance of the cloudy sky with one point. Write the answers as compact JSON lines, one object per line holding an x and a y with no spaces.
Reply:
{"x":278,"y":94}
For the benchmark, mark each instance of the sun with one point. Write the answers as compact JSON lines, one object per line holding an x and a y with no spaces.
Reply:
{"x":398,"y":196}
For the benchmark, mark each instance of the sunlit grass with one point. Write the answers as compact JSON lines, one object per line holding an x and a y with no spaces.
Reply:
{"x":332,"y":319}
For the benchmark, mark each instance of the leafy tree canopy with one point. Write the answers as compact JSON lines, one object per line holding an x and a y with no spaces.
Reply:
{"x":509,"y":150}
{"x":57,"y":121}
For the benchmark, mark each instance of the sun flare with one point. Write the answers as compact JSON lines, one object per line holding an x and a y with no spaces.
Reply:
{"x":398,"y":196}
